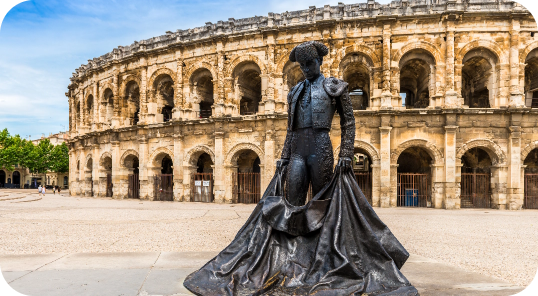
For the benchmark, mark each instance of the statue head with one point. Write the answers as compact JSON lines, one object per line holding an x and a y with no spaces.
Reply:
{"x":309,"y":55}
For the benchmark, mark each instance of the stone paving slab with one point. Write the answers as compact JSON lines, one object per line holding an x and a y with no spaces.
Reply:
{"x":162,"y":273}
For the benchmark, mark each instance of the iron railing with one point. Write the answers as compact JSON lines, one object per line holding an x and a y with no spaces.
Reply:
{"x":364,"y":180}
{"x":531,"y":191}
{"x":109,"y":192}
{"x":133,"y":190}
{"x":414,"y":190}
{"x":202,"y":187}
{"x":163,"y":187}
{"x":246,"y":188}
{"x":475,"y":190}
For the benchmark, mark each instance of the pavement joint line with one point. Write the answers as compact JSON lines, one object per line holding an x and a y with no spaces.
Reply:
{"x":27,"y":200}
{"x":147,"y":275}
{"x":38,"y":268}
{"x":14,"y":198}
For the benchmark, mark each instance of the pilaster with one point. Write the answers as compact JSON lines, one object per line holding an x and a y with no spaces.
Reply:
{"x":386,"y":96}
{"x":451,"y":196}
{"x":516,"y":97}
{"x":218,"y":173}
{"x":514,"y":200}
{"x":385,"y":190}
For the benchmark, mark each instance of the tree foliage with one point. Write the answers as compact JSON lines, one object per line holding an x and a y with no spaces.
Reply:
{"x":41,"y":158}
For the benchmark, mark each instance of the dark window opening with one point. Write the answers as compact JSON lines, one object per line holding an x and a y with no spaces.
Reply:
{"x":205,"y":109}
{"x":167,"y":166}
{"x":167,"y":113}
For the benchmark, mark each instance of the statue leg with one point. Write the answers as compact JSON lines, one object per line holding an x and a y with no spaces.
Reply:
{"x":320,"y":164}
{"x":297,"y":181}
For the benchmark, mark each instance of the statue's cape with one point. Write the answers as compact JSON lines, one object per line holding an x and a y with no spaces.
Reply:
{"x":334,"y":245}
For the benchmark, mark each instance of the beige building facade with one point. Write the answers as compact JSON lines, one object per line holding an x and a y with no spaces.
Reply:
{"x":443,"y":90}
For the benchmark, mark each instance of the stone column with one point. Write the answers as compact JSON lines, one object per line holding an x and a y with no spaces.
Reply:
{"x":498,"y":186}
{"x":95,"y":169}
{"x":386,"y":96}
{"x":219,"y":190}
{"x":116,"y":119}
{"x":516,"y":97}
{"x":178,"y":93}
{"x":269,"y":162}
{"x":385,"y":180}
{"x":116,"y":170}
{"x":178,"y":173}
{"x":451,"y":197}
{"x":143,"y":91}
{"x":143,"y":173}
{"x":376,"y":186}
{"x":81,"y":126}
{"x":514,"y":190}
{"x":451,"y":96}
{"x":94,"y":118}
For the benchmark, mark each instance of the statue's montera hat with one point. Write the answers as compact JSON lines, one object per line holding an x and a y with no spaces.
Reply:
{"x":308,"y":50}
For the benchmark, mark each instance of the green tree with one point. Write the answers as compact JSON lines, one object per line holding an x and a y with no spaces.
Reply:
{"x":60,"y":158}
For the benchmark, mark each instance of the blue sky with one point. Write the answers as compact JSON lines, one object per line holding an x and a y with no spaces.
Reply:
{"x":43,"y":41}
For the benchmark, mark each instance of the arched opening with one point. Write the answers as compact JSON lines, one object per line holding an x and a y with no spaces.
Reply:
{"x":356,"y":73}
{"x":164,"y":91}
{"x":131,"y":103}
{"x":108,"y":99}
{"x":202,"y":180}
{"x":247,"y":177}
{"x":107,"y":168}
{"x":531,"y":79}
{"x":414,"y":178}
{"x":478,"y":87}
{"x":2,"y":179}
{"x":16,"y":179}
{"x":476,"y":179}
{"x":88,"y":178}
{"x":202,"y":90}
{"x":164,"y":183}
{"x":362,"y":168}
{"x":531,"y":180}
{"x":133,"y":189}
{"x":416,"y":82}
{"x":248,"y":87}
{"x":89,"y":110}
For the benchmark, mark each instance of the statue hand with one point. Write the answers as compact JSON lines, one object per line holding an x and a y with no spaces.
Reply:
{"x":282,"y":163}
{"x":345,"y":163}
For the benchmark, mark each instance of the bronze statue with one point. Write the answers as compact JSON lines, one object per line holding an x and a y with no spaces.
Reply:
{"x":333,"y":245}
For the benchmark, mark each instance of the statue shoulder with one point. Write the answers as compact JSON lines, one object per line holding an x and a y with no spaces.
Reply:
{"x":334,"y":86}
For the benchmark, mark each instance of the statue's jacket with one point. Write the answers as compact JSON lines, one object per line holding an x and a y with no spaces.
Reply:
{"x":327,"y":96}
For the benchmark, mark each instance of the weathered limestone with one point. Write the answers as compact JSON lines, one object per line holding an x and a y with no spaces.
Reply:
{"x":446,"y":79}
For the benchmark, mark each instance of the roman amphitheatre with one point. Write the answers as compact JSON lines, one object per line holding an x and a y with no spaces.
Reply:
{"x":444,"y":95}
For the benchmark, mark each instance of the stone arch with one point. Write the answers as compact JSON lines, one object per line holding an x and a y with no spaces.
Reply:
{"x":429,"y":47}
{"x":282,"y":61}
{"x":128,"y":79}
{"x":493,"y":149}
{"x":129,"y":152}
{"x":233,"y":154}
{"x":157,"y":156}
{"x":528,"y":49}
{"x":487,"y":44}
{"x":432,"y":150}
{"x":244,"y":58}
{"x":159,"y":72}
{"x":191,"y":157}
{"x":525,"y":152}
{"x":88,"y":158}
{"x":103,"y":157}
{"x":369,"y":148}
{"x":103,"y":88}
{"x":371,"y":58}
{"x":199,"y":65}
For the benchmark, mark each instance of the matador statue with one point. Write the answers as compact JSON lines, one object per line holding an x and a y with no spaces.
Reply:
{"x":333,"y":245}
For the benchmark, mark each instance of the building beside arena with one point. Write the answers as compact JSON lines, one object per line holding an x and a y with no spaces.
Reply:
{"x":444,"y":93}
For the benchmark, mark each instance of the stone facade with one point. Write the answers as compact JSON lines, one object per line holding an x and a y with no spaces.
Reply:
{"x":445,"y":77}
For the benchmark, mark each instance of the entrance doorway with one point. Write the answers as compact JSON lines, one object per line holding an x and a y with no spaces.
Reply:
{"x":414,"y":178}
{"x":476,"y":179}
{"x":133,"y":190}
{"x":16,"y":179}
{"x":247,"y":179}
{"x":363,"y":172}
{"x":109,"y":192}
{"x":2,"y":178}
{"x":164,"y":184}
{"x":202,"y":180}
{"x":531,"y":180}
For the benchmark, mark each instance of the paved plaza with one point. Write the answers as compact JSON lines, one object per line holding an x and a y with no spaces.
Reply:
{"x":62,"y":245}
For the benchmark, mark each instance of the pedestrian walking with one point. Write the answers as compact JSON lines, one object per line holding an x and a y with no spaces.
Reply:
{"x":59,"y":189}
{"x":39,"y":189}
{"x":43,"y":190}
{"x":54,"y":190}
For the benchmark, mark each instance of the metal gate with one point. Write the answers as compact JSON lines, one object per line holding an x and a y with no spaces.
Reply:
{"x":246,"y":188}
{"x":531,"y":191}
{"x":475,"y":190}
{"x":91,"y":187}
{"x":163,"y":187}
{"x":134,"y":186}
{"x":364,"y":179}
{"x":108,"y":185}
{"x":202,"y":187}
{"x":414,"y":190}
